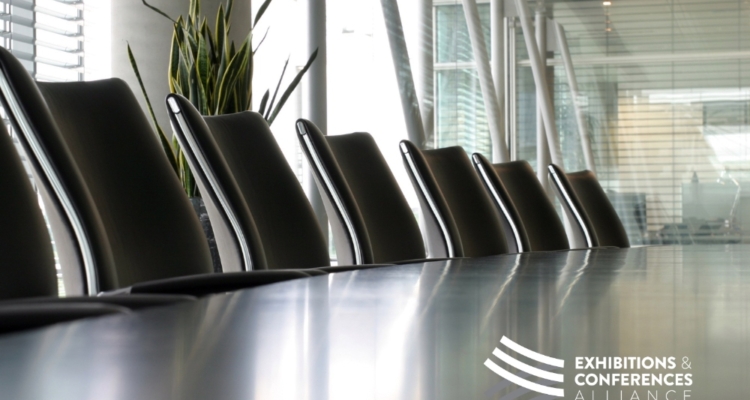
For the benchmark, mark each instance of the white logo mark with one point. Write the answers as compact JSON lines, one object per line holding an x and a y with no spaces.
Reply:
{"x":551,"y":376}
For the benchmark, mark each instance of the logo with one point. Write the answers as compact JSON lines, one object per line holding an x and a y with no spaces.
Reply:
{"x":597,"y":377}
{"x":547,"y":363}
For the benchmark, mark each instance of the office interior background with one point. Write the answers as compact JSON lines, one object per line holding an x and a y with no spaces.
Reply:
{"x":662,"y":85}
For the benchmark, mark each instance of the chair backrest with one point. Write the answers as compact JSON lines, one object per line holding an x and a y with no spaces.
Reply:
{"x":95,"y":148}
{"x":238,"y":162}
{"x":587,"y":204}
{"x":526,"y":209}
{"x":450,"y":188}
{"x":369,"y":215}
{"x":27,"y":265}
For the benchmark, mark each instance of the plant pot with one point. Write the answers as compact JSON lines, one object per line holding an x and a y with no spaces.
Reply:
{"x":200,"y":209}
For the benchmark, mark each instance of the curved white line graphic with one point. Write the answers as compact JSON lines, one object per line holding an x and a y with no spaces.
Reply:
{"x":523,"y":382}
{"x":532,"y":354}
{"x":527,"y":368}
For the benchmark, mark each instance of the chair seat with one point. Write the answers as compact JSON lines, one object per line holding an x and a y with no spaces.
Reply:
{"x":130,"y":301}
{"x":21,"y":316}
{"x":201,"y":285}
{"x":346,"y":268}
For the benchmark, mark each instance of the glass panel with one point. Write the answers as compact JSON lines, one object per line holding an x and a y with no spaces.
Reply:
{"x":666,"y":100}
{"x":461,"y":117}
{"x":452,"y":35}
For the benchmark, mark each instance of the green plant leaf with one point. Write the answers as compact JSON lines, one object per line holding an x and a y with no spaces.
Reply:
{"x":261,"y":11}
{"x":174,"y":61}
{"x":230,"y":5}
{"x":203,"y":60}
{"x":183,"y":71}
{"x":203,"y":71}
{"x":179,"y":31}
{"x":189,"y":24}
{"x":263,"y":39}
{"x":278,"y":85}
{"x":214,"y":74}
{"x":245,"y":96}
{"x":162,"y":138}
{"x":263,"y":101}
{"x":227,"y":82}
{"x":208,"y":36}
{"x":220,"y":72}
{"x":192,"y":39}
{"x":195,"y":10}
{"x":292,"y":86}
{"x":243,"y":91}
{"x":174,"y":83}
{"x":221,"y":30}
{"x":160,"y":12}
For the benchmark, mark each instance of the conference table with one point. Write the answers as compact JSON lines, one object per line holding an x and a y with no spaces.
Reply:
{"x":662,"y":322}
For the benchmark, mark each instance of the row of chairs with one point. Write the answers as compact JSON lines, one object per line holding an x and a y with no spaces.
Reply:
{"x":250,"y":185}
{"x":470,"y":209}
{"x":243,"y":173}
{"x":451,"y":194}
{"x":123,"y":226}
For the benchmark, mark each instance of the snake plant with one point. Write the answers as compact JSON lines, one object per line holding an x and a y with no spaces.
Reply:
{"x":207,"y":68}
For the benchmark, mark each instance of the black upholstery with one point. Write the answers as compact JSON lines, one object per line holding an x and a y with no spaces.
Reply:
{"x":287,"y":227}
{"x":587,"y":204}
{"x":260,"y":186}
{"x":139,"y":223}
{"x":130,"y":301}
{"x":533,"y":222}
{"x":153,"y":231}
{"x":199,"y":285}
{"x":28,"y":279}
{"x":370,"y":217}
{"x":453,"y":193}
{"x":32,"y":110}
{"x":27,"y":265}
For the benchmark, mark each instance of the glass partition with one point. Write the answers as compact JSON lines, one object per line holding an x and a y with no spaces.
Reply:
{"x":664,"y":88}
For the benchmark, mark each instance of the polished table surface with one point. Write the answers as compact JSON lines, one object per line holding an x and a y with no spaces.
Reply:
{"x":420,"y":331}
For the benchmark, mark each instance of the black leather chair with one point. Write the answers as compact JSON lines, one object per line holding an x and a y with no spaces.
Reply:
{"x":456,"y":205}
{"x":27,"y":264}
{"x":116,"y":204}
{"x":585,"y":202}
{"x":28,"y":279}
{"x":370,"y":218}
{"x":253,"y":195}
{"x":530,"y":220}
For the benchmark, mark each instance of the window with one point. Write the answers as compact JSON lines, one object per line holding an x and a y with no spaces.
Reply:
{"x":460,"y":118}
{"x":666,"y":98}
{"x":47,"y":35}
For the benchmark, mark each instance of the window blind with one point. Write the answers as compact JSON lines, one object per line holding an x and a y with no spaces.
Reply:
{"x":666,"y":97}
{"x":460,"y":117}
{"x":46,"y":35}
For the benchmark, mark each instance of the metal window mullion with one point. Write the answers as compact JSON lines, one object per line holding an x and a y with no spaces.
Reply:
{"x":510,"y":86}
{"x":33,"y":33}
{"x":487,"y":85}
